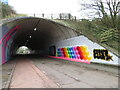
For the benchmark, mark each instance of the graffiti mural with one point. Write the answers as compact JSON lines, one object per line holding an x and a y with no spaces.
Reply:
{"x":77,"y":52}
{"x":102,"y":54}
{"x":6,"y":42}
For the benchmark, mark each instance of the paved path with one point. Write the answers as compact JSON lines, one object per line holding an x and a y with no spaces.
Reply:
{"x":69,"y":75}
{"x":26,"y":75}
{"x":6,"y":73}
{"x":54,"y":73}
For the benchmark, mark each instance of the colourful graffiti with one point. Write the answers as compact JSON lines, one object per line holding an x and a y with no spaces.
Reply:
{"x":102,"y":54}
{"x":5,"y":40}
{"x":77,"y":52}
{"x":71,"y":59}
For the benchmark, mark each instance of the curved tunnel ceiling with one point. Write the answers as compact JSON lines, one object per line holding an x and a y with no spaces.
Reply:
{"x":47,"y":32}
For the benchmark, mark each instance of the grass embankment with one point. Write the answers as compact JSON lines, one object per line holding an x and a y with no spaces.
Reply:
{"x":94,"y":32}
{"x":13,"y":16}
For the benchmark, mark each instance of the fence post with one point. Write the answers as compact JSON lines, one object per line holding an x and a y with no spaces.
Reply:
{"x":51,"y":16}
{"x":60,"y":15}
{"x":69,"y":16}
{"x":75,"y":18}
{"x":43,"y":15}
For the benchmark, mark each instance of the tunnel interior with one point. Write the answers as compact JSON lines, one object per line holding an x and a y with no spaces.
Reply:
{"x":34,"y":34}
{"x":38,"y":34}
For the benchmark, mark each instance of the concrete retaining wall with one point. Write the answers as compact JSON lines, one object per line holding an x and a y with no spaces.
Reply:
{"x":82,"y":40}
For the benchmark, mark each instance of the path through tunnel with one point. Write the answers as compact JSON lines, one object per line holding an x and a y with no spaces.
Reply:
{"x":38,"y":34}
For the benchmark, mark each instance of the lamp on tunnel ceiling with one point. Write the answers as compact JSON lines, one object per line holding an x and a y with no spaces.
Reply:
{"x":36,"y":25}
{"x":35,"y":29}
{"x":26,"y":42}
{"x":30,"y":36}
{"x":32,"y":32}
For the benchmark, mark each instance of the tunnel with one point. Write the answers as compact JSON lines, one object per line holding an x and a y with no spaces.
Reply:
{"x":37,"y":34}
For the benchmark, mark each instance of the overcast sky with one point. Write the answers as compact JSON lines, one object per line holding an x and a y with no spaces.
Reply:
{"x":49,"y":6}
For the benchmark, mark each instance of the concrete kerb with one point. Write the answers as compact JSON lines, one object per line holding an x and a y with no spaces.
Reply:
{"x":10,"y":78}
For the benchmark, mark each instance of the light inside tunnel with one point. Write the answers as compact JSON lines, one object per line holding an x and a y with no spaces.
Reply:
{"x":30,"y":36}
{"x":35,"y":29}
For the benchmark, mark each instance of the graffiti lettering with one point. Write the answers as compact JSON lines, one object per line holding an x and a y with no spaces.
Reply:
{"x":102,"y":54}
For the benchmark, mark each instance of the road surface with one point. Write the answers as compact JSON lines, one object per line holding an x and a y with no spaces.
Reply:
{"x":54,"y":73}
{"x":26,"y":75}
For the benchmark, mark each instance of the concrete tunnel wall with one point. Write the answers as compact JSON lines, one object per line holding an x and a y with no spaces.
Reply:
{"x":15,"y":33}
{"x":91,"y":46}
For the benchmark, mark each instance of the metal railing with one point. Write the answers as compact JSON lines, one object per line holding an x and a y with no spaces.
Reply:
{"x":54,"y":16}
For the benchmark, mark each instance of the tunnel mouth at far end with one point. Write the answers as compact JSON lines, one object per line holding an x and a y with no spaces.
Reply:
{"x":26,"y":52}
{"x":23,"y":50}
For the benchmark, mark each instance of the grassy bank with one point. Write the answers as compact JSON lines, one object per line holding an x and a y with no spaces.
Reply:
{"x":96,"y":33}
{"x":12,"y":16}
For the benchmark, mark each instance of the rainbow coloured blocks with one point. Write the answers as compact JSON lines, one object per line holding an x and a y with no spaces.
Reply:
{"x":77,"y":52}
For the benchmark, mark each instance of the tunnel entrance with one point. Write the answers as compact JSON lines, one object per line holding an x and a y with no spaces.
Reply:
{"x":35,"y":33}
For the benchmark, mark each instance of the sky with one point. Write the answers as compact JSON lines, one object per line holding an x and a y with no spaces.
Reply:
{"x":48,"y":7}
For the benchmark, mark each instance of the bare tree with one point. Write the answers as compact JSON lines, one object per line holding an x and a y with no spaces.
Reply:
{"x":106,"y":9}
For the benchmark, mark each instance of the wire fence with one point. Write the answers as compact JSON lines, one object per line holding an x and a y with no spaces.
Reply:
{"x":61,"y":16}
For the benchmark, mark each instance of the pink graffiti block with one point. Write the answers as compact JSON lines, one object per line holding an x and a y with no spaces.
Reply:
{"x":75,"y":60}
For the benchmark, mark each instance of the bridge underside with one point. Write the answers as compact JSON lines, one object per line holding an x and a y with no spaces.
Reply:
{"x":36,"y":33}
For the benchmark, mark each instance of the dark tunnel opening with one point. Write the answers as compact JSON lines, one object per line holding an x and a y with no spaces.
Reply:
{"x":39,"y":35}
{"x":37,"y":39}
